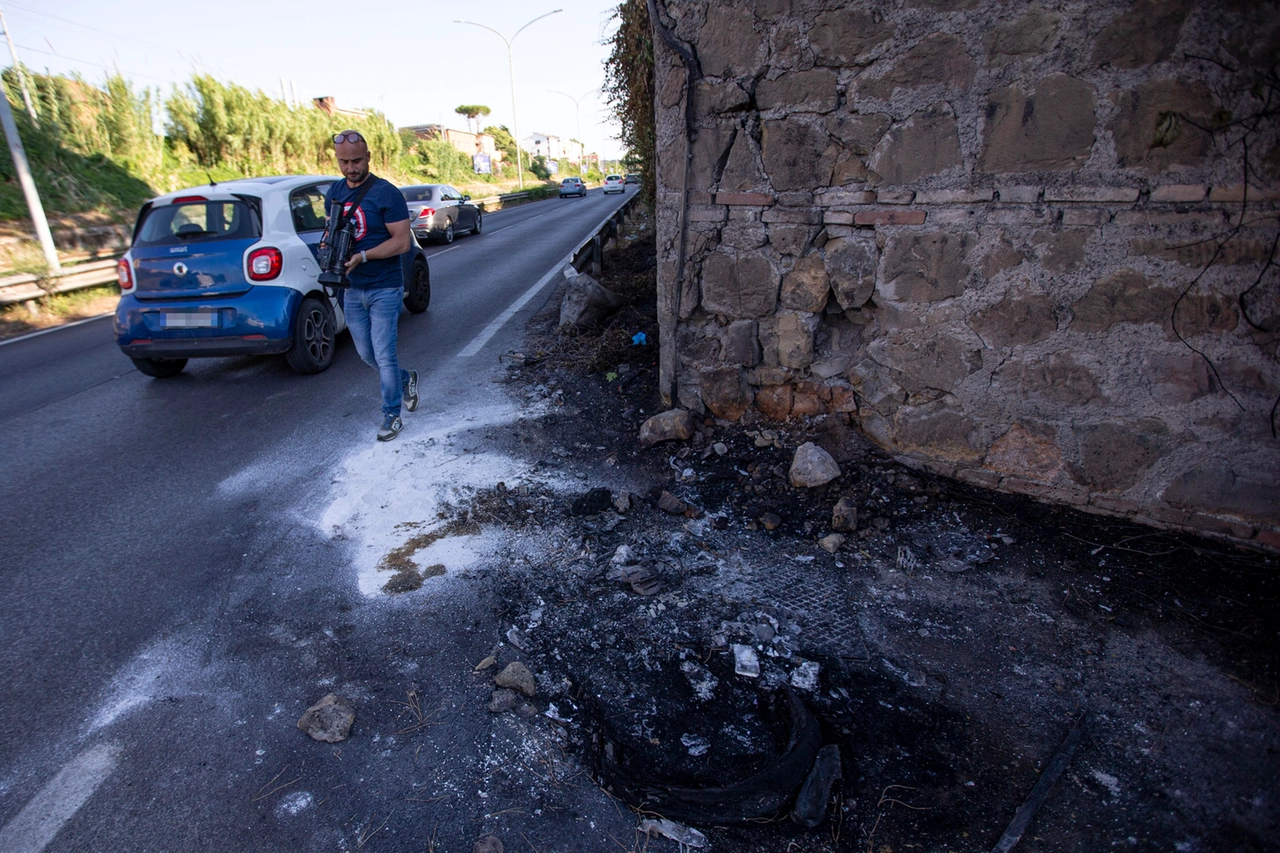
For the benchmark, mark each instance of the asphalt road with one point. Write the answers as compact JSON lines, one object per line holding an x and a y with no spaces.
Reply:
{"x":168,"y":598}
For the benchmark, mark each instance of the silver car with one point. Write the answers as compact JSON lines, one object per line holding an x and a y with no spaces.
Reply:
{"x":573,"y":186}
{"x":438,"y":211}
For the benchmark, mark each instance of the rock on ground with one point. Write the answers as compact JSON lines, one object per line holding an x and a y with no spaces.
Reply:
{"x":812,"y":466}
{"x":671,"y":504}
{"x":503,"y":700}
{"x":516,"y":676}
{"x":329,"y":720}
{"x":845,"y":515}
{"x":671,"y":425}
{"x":831,"y":543}
{"x":586,"y":302}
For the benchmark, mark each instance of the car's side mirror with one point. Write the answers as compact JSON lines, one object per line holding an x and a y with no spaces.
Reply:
{"x":466,"y":198}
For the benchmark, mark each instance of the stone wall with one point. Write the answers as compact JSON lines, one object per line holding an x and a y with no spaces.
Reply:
{"x":1013,"y":241}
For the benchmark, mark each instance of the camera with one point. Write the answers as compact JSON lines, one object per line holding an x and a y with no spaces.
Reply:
{"x":335,"y":251}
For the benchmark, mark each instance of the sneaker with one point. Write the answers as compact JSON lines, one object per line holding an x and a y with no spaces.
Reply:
{"x":411,"y":392}
{"x":391,"y":427}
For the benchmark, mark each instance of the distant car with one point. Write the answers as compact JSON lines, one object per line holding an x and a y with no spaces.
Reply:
{"x":230,"y":269}
{"x":572,"y":186}
{"x":632,"y":178}
{"x":613,"y":184}
{"x":438,"y":211}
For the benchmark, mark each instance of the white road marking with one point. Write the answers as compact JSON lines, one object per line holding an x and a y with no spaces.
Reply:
{"x":490,"y":330}
{"x":478,"y":342}
{"x":55,"y":328}
{"x":37,"y":824}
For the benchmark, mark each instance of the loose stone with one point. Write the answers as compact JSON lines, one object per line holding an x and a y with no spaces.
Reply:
{"x":516,"y":676}
{"x":329,"y":720}
{"x":503,"y":700}
{"x":812,"y":466}
{"x":672,"y":425}
{"x":831,"y":543}
{"x":845,"y":515}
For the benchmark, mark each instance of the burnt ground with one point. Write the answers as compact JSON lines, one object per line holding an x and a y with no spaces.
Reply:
{"x":958,"y":635}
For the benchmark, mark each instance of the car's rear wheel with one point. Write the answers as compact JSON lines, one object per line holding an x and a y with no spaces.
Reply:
{"x":447,"y":237}
{"x":476,"y":229}
{"x":313,"y":337}
{"x":160,"y":368}
{"x":418,"y":295}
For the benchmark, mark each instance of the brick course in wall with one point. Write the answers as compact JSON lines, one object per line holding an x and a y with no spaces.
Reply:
{"x":1010,"y":242}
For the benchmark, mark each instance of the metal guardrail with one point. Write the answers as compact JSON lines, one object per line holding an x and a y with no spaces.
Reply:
{"x":26,"y":286}
{"x":590,"y":252}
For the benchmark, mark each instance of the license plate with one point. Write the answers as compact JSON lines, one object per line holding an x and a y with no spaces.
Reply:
{"x":189,"y":320}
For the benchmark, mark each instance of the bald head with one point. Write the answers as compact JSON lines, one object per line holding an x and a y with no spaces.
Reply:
{"x":353,"y":157}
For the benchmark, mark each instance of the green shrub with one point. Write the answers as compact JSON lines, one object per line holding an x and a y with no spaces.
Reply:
{"x":100,"y":148}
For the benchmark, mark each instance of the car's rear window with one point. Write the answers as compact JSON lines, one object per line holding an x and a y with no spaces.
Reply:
{"x":198,"y":222}
{"x":416,"y":193}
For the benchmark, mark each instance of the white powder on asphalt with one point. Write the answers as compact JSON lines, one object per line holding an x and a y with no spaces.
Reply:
{"x":163,"y":668}
{"x":382,"y":489}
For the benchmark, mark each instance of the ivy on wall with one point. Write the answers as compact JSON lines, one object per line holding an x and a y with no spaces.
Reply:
{"x":628,"y":86}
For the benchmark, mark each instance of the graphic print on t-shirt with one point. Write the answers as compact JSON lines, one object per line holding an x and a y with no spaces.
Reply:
{"x":361,"y":230}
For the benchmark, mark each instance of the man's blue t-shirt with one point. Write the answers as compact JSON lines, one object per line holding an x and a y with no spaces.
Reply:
{"x":383,"y":203}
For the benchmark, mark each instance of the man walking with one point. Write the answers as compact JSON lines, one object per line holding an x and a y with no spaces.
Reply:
{"x":372,"y":304}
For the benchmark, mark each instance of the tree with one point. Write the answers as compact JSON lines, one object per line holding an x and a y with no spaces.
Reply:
{"x":628,"y":85}
{"x":504,"y":142}
{"x":472,"y":111}
{"x":538,"y":165}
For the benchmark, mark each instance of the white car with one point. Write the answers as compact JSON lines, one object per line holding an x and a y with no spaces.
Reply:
{"x":230,"y":269}
{"x":614,"y":184}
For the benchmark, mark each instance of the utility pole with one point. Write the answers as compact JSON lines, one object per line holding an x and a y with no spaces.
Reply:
{"x":582,"y":146}
{"x":511,"y":70}
{"x":17,"y":66}
{"x":21,"y":166}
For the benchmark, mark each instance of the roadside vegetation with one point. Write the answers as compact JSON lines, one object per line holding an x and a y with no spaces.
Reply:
{"x":104,"y":149}
{"x":628,"y":88}
{"x":57,"y":309}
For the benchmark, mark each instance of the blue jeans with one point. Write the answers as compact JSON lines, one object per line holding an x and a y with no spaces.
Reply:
{"x":372,"y":316}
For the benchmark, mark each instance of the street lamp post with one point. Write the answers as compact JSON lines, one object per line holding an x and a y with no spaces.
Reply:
{"x":511,"y":70}
{"x":577,"y":115}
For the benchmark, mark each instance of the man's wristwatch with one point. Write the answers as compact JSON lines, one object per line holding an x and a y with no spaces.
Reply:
{"x":363,"y":256}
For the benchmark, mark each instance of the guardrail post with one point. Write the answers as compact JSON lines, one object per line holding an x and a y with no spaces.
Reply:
{"x":597,"y":256}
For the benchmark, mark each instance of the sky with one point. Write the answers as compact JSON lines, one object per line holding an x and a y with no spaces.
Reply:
{"x":408,"y":60}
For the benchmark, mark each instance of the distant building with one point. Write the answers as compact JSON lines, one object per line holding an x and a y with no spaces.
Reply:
{"x":328,"y":105}
{"x":465,"y":141}
{"x":553,"y":147}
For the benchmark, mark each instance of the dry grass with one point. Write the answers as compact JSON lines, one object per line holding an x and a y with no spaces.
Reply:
{"x":629,"y":271}
{"x":57,"y":310}
{"x":406,"y":576}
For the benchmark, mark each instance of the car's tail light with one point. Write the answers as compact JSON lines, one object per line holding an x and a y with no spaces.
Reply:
{"x":265,"y":264}
{"x":426,"y":213}
{"x":124,"y":273}
{"x":187,"y":199}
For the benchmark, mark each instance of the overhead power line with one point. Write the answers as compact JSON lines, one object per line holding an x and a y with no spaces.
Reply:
{"x":33,"y":10}
{"x":66,"y":58}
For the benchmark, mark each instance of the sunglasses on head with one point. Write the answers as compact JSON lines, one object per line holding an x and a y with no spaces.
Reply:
{"x":349,"y":136}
